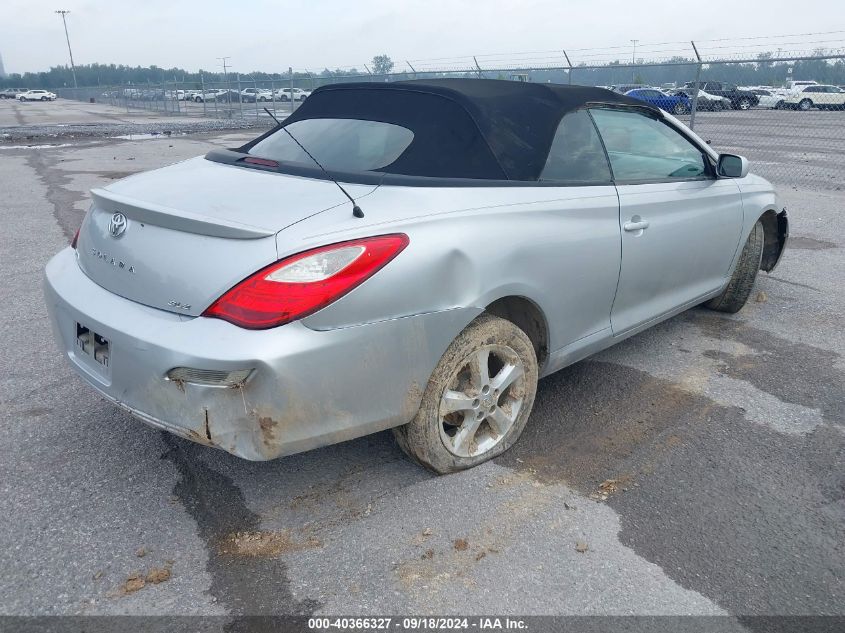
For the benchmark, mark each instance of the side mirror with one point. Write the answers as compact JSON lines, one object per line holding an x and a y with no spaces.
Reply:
{"x":732,"y":166}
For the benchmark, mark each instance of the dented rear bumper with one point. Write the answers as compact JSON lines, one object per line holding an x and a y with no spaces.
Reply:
{"x":307,"y":388}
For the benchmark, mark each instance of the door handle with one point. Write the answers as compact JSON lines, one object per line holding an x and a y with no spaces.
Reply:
{"x":635,"y":224}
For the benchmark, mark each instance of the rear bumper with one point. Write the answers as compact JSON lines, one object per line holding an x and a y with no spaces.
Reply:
{"x":307,"y":389}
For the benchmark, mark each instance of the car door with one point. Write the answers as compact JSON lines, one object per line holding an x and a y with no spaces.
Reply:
{"x":580,"y":250}
{"x":658,"y":98}
{"x":714,"y":88}
{"x":680,"y":224}
{"x":829,"y":96}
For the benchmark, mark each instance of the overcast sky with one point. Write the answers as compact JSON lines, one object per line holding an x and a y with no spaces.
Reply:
{"x":271,"y":35}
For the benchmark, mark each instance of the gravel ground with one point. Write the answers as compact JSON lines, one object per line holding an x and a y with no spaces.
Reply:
{"x":695,"y":469}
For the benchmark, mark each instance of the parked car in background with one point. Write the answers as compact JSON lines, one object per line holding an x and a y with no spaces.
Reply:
{"x":706,"y":101}
{"x":220,"y":95}
{"x":256,"y":94}
{"x":796,"y":86}
{"x":284,"y":94}
{"x":676,"y":104}
{"x":769,"y":98}
{"x":740,"y":99}
{"x":623,"y":88}
{"x":12,"y":93}
{"x":818,"y":96}
{"x":36,"y":95}
{"x":299,"y":317}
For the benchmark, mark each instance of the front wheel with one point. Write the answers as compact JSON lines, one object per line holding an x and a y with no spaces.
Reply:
{"x":744,"y":104}
{"x":736,"y":293}
{"x":478,"y":398}
{"x":805,"y":105}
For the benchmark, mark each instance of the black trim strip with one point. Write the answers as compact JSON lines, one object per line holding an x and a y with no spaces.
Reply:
{"x":235,"y":158}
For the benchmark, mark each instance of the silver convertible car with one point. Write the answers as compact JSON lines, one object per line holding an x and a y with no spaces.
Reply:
{"x":410,"y":255}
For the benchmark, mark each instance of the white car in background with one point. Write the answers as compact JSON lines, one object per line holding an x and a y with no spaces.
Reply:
{"x":257,"y":94}
{"x":818,"y":96}
{"x":770,"y":97}
{"x":284,"y":94}
{"x":37,"y":95}
{"x":796,"y":86}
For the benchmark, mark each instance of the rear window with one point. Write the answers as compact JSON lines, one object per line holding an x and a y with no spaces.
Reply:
{"x":338,"y":144}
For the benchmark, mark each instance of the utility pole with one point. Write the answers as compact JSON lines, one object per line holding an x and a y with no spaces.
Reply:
{"x":225,"y":73}
{"x":63,"y":13}
{"x":633,"y":59}
{"x":226,"y":80}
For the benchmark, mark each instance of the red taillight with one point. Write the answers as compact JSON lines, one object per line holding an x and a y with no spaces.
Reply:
{"x":266,"y":162}
{"x":301,"y":284}
{"x":75,"y":238}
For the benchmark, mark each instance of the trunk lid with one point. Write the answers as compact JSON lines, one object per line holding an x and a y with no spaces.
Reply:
{"x":191,"y":231}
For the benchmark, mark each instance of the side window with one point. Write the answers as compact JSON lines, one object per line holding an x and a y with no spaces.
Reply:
{"x":576,"y":155}
{"x":645,"y":149}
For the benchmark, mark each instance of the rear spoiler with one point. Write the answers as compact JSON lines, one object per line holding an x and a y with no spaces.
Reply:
{"x":174,"y":218}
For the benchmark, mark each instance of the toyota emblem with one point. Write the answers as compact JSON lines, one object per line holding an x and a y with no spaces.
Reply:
{"x":117,"y":225}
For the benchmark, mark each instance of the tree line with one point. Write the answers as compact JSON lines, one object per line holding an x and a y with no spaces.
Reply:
{"x":678,"y":70}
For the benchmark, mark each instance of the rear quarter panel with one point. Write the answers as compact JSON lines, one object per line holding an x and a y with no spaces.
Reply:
{"x":557,"y":246}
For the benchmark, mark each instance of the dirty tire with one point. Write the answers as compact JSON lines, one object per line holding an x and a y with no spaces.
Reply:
{"x":422,"y":439}
{"x":736,"y":293}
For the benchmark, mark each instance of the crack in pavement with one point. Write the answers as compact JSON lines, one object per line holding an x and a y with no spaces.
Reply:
{"x":59,"y":195}
{"x":18,"y":114}
{"x":245,"y":585}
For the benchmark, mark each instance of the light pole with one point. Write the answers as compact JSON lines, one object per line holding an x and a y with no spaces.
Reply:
{"x":225,"y":73}
{"x":633,"y":59}
{"x":63,"y":13}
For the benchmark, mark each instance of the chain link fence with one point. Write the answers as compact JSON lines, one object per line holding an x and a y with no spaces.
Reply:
{"x":225,"y":98}
{"x":785,"y":113}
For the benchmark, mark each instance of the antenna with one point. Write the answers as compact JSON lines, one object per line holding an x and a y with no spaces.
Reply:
{"x":356,"y":210}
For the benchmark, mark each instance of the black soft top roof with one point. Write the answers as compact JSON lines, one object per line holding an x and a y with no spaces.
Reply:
{"x":463,"y":128}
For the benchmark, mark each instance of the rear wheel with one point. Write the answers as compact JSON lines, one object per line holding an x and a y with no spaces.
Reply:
{"x":679,"y":108}
{"x":477,"y":400}
{"x":743,"y":104}
{"x":736,"y":293}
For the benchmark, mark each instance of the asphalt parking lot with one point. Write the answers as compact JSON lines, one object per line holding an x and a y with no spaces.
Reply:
{"x":695,"y":469}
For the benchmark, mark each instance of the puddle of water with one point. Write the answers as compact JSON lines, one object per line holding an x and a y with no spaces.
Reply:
{"x":35,"y":146}
{"x":142,"y":137}
{"x":136,"y":137}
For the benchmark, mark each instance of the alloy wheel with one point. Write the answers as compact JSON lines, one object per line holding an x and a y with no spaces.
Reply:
{"x":482,"y":401}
